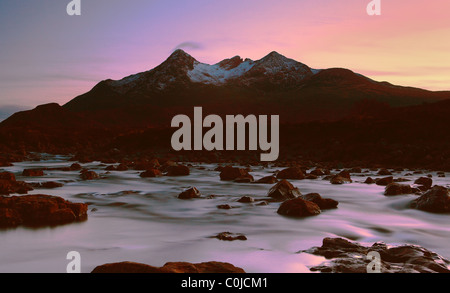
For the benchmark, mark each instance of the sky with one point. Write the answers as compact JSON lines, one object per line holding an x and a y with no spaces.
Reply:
{"x":49,"y":56}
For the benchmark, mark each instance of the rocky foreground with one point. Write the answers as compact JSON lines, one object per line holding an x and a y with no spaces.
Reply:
{"x":171,"y":267}
{"x":351,"y":257}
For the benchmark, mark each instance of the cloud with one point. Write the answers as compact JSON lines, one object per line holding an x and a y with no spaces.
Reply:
{"x":189,"y":45}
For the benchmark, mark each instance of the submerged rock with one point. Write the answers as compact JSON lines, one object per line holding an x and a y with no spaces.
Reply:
{"x":267,"y":180}
{"x":228,"y":236}
{"x":190,"y":193}
{"x":284,"y":190}
{"x":352,"y":257}
{"x":171,"y":267}
{"x":435,"y":200}
{"x":39,"y":210}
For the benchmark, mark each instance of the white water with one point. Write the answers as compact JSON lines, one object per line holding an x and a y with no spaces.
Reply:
{"x":150,"y":225}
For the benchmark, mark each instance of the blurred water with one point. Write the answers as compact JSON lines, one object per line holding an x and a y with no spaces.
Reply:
{"x":148,"y":224}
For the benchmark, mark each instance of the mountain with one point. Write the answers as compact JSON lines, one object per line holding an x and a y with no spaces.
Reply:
{"x":272,"y":85}
{"x":314,"y":105}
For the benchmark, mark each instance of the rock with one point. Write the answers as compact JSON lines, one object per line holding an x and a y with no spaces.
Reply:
{"x":244,"y":179}
{"x":147,"y":165}
{"x":227,"y":236}
{"x":150,"y":173}
{"x":4,"y":163}
{"x":39,"y":210}
{"x":401,"y":179}
{"x":337,"y":179}
{"x":317,"y":172}
{"x":75,"y":167}
{"x":298,"y":208}
{"x":190,"y":193}
{"x":425,"y":181}
{"x":267,"y":180}
{"x":111,"y":168}
{"x":323,"y":203}
{"x":32,"y":173}
{"x":178,"y":170}
{"x":89,"y":175}
{"x":283,"y":190}
{"x":369,"y":180}
{"x":9,"y":185}
{"x":122,"y":167}
{"x":224,"y":207}
{"x":351,"y":257}
{"x":231,"y":173}
{"x":355,"y":170}
{"x":246,"y":199}
{"x":384,"y":181}
{"x":435,"y":200}
{"x":397,"y":189}
{"x":311,"y":177}
{"x":172,"y":267}
{"x":291,"y":173}
{"x":384,"y":172}
{"x":51,"y":184}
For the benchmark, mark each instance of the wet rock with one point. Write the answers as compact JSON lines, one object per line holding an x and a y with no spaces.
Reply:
{"x":172,"y":267}
{"x":355,"y":170}
{"x":178,"y":170}
{"x":384,"y":172}
{"x":298,"y":208}
{"x":9,"y":185}
{"x":283,"y":190}
{"x":75,"y":167}
{"x":425,"y":181}
{"x":89,"y":175}
{"x":231,"y":173}
{"x":111,"y":168}
{"x":369,"y":180}
{"x":351,"y":257}
{"x":317,"y":172}
{"x":150,"y":173}
{"x":39,"y":210}
{"x":397,"y":189}
{"x":435,"y":200}
{"x":323,"y":203}
{"x":224,"y":207}
{"x":227,"y":236}
{"x":147,"y":165}
{"x":267,"y":180}
{"x":291,"y":173}
{"x":337,"y":179}
{"x":244,"y":179}
{"x":4,"y":163}
{"x":122,"y":167}
{"x":190,"y":193}
{"x":401,"y":180}
{"x":311,"y":177}
{"x":32,"y":173}
{"x":246,"y":199}
{"x":47,"y":185}
{"x":384,"y":181}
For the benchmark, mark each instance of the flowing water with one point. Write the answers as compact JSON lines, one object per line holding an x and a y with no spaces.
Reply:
{"x":142,"y":220}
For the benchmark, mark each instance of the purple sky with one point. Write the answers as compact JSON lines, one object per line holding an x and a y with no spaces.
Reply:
{"x":48,"y":56}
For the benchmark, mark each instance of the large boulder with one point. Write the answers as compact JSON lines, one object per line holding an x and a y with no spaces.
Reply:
{"x":39,"y":210}
{"x":283,"y":190}
{"x":397,"y":189}
{"x":172,"y":267}
{"x":298,"y":208}
{"x":344,"y":256}
{"x":323,"y":203}
{"x":435,"y":200}
{"x":291,"y":173}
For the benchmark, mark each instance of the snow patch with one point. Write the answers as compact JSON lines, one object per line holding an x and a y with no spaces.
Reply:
{"x":215,"y":74}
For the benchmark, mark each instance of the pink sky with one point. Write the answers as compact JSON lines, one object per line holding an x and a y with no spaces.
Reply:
{"x":48,"y":56}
